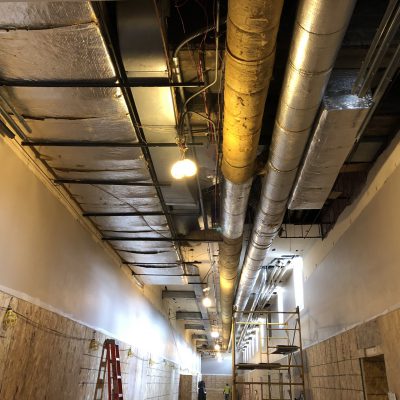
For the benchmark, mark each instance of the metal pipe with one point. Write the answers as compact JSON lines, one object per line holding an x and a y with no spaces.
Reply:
{"x":263,"y":296}
{"x":252,"y":27}
{"x":16,"y":113}
{"x":185,"y":101}
{"x":318,"y":34}
{"x":11,"y":122}
{"x":252,"y":308}
{"x":381,"y":42}
{"x":5,"y":130}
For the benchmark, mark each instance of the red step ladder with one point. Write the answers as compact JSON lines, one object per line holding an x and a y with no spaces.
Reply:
{"x":110,"y":362}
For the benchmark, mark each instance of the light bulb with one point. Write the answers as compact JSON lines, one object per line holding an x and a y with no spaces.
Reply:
{"x":189,"y":167}
{"x":177,"y":170}
{"x":206,"y":302}
{"x":217,"y":347}
{"x":183,"y":168}
{"x":215,"y":334}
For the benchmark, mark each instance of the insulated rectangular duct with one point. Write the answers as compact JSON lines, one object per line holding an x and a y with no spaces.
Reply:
{"x":334,"y":135}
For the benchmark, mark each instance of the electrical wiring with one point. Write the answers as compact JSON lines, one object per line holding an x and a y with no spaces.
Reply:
{"x":189,"y":99}
{"x":132,"y":207}
{"x":45,"y":328}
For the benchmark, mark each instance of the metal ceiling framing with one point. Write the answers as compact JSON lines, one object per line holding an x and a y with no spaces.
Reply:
{"x":70,"y":86}
{"x":83,"y":122}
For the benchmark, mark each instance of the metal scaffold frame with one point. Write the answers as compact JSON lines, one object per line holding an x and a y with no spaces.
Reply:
{"x":268,"y":352}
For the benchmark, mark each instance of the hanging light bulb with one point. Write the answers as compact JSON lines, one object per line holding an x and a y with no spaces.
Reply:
{"x":190,"y":167}
{"x":185,"y":168}
{"x":177,"y":170}
{"x":217,"y":347}
{"x":215,"y":334}
{"x":206,"y":302}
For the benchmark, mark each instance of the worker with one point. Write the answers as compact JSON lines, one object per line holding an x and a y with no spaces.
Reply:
{"x":227,"y":391}
{"x":202,"y":393}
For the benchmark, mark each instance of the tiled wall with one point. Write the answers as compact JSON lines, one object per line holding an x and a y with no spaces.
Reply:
{"x":215,"y":385}
{"x":47,"y":356}
{"x":334,"y":368}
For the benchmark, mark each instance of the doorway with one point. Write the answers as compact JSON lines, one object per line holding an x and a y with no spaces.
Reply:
{"x":374,"y":378}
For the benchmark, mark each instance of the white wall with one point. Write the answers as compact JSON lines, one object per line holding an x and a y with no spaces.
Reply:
{"x":49,"y":258}
{"x":354,"y":274}
{"x":211,"y":366}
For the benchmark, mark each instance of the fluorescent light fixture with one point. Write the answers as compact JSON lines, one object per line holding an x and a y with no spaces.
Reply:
{"x":298,"y":281}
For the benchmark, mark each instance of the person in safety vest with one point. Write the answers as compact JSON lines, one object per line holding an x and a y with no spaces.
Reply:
{"x":227,"y":392}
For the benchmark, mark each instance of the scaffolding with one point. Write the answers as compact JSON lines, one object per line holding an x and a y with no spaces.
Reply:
{"x":274,"y":355}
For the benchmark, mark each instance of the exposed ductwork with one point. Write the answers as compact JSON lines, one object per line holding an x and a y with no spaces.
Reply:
{"x":334,"y":135}
{"x":252,"y":27}
{"x":318,"y":33}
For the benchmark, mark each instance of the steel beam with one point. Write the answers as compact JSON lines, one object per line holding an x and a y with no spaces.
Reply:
{"x":178,"y":263}
{"x":188,"y":315}
{"x":167,"y":275}
{"x":178,"y":294}
{"x":122,"y":77}
{"x":129,"y":83}
{"x":108,"y":182}
{"x":194,"y":327}
{"x":137,"y":214}
{"x":199,"y":336}
{"x":80,"y":143}
{"x":5,"y":130}
{"x":161,"y":239}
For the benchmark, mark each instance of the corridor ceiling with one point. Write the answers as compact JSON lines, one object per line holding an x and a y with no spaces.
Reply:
{"x":95,"y":91}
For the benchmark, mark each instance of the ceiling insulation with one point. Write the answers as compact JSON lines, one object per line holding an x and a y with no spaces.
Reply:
{"x":63,"y":42}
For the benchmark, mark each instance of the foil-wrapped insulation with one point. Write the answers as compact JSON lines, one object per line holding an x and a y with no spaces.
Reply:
{"x":73,"y":104}
{"x":68,"y":52}
{"x":334,"y":135}
{"x":43,"y":15}
{"x":62,"y":41}
{"x":252,"y":27}
{"x":318,"y":34}
{"x":234,"y":207}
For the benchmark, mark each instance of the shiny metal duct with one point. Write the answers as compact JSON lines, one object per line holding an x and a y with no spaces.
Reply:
{"x":318,"y":33}
{"x":334,"y":135}
{"x":252,"y":26}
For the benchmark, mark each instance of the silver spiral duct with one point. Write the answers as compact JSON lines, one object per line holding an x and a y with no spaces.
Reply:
{"x":252,"y":26}
{"x":318,"y":34}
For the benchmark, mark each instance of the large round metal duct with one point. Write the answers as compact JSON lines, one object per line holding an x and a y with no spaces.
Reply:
{"x":319,"y":30}
{"x":252,"y":27}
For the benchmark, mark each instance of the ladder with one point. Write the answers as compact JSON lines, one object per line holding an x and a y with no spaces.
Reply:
{"x":110,"y":363}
